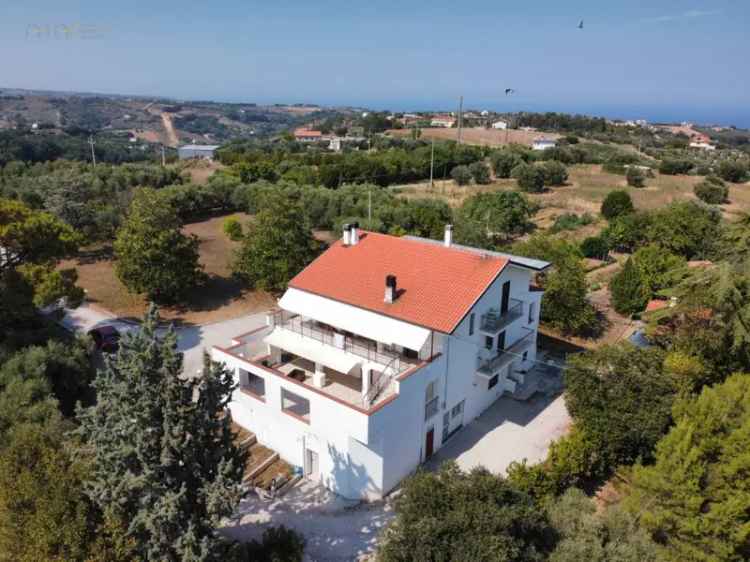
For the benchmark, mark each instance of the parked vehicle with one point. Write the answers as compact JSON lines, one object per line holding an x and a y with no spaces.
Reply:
{"x":106,"y":338}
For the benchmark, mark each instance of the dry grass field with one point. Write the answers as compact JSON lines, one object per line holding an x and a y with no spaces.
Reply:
{"x":201,"y":170}
{"x":220,"y":298}
{"x":477,"y":135}
{"x":586,"y":188}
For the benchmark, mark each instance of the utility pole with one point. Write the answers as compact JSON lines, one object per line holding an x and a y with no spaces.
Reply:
{"x":432,"y":161}
{"x":369,"y":208}
{"x":93,"y":154}
{"x":460,"y":117}
{"x":163,"y":158}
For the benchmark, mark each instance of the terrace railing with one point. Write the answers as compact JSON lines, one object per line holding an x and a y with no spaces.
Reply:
{"x":505,"y":356}
{"x":357,"y":345}
{"x":493,"y":321}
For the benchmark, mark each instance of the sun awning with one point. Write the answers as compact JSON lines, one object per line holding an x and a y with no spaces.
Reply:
{"x":355,"y":320}
{"x":313,"y":350}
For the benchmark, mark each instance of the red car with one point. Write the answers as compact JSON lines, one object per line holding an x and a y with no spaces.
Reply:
{"x":106,"y":338}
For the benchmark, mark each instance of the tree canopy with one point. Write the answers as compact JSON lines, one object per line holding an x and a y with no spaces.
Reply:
{"x":163,"y":457}
{"x":695,"y":498}
{"x":153,"y":255}
{"x":488,"y":220}
{"x":278,"y":245}
{"x":474,"y":516}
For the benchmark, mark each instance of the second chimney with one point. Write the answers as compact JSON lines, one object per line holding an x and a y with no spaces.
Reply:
{"x":347,"y":234}
{"x":354,"y":233}
{"x":448,"y":235}
{"x":390,"y":288}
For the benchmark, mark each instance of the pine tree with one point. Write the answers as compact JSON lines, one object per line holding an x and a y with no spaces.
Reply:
{"x":629,"y":292}
{"x":164,"y":458}
{"x":696,"y":498}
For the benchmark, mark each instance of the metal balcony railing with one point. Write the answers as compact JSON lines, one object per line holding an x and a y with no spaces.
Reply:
{"x":357,"y":345}
{"x":493,"y":321}
{"x":505,"y":356}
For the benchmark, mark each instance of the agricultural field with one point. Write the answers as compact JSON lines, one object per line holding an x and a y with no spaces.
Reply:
{"x":477,"y":135}
{"x":221,"y":298}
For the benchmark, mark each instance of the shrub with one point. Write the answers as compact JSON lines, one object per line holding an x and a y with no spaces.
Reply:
{"x":555,"y":173}
{"x":659,"y":267}
{"x":530,"y":178}
{"x":278,"y":544}
{"x":461,"y":175}
{"x":616,"y":204}
{"x":629,"y":290}
{"x":675,"y":167}
{"x":732,"y":171}
{"x":595,"y":247}
{"x":635,"y":177}
{"x":233,"y":228}
{"x":480,"y":172}
{"x":571,"y":221}
{"x":503,"y":162}
{"x":712,"y":190}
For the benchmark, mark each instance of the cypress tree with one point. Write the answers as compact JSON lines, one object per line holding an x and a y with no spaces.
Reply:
{"x":629,"y":292}
{"x":164,"y":460}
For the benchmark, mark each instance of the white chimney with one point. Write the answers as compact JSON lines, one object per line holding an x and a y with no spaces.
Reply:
{"x":448,"y":235}
{"x":354,"y":233}
{"x":390,"y":289}
{"x":347,"y":237}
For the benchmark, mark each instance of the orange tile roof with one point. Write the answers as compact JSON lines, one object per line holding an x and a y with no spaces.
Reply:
{"x":307,"y":133}
{"x":437,"y":286}
{"x":656,"y":304}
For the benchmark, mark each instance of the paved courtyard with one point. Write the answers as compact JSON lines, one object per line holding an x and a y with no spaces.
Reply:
{"x":508,"y":431}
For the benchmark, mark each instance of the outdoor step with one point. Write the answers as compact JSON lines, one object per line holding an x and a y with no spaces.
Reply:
{"x":288,"y":485}
{"x":249,"y":476}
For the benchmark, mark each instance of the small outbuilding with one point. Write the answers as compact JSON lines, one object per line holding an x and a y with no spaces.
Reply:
{"x":197,"y":151}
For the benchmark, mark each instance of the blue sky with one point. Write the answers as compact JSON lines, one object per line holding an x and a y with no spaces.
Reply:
{"x":668,"y":59}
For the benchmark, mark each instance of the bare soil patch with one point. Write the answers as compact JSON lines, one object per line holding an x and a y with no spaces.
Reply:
{"x":222,"y":297}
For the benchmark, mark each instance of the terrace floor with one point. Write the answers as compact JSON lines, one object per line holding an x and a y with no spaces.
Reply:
{"x":341,"y":386}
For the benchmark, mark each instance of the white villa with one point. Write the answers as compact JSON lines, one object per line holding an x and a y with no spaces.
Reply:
{"x":380,"y":350}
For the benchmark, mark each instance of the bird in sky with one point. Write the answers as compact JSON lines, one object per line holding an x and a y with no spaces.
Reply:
{"x":580,"y":24}
{"x":509,"y":91}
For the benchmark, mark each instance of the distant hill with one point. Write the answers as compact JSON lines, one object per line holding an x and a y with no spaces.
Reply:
{"x":141,"y":116}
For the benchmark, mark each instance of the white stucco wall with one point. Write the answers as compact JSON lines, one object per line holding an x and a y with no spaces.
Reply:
{"x":365,"y":456}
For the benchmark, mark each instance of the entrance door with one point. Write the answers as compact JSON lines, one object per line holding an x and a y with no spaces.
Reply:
{"x":501,"y":341}
{"x":506,"y":298}
{"x":311,"y":464}
{"x":429,"y":446}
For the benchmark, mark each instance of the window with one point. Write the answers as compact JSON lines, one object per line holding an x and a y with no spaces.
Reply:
{"x":430,"y":401}
{"x":471,"y":324}
{"x":410,"y":353}
{"x":493,"y":381}
{"x":488,"y":342}
{"x":295,"y":405}
{"x":252,"y":384}
{"x":532,"y":312}
{"x":457,"y":409}
{"x":525,"y":355}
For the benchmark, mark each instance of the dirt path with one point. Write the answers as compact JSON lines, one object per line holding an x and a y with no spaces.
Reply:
{"x":172,"y":138}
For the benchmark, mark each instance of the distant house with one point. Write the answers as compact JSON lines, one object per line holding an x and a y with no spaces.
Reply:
{"x":446,"y":121}
{"x":702,"y":145}
{"x":543,"y":143}
{"x":335,"y":144}
{"x":197,"y":151}
{"x":307,"y":135}
{"x":500,"y":125}
{"x":356,"y":131}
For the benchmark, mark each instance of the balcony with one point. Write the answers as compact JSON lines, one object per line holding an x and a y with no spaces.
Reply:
{"x":361,"y":347}
{"x":510,"y":353}
{"x":341,"y":386}
{"x":492,"y":322}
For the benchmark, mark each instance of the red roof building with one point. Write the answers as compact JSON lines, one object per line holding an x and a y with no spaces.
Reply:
{"x":436,"y":285}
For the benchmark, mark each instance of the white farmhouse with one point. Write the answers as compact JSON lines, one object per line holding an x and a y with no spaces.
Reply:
{"x":543,"y":143}
{"x":381,"y":350}
{"x":500,"y":125}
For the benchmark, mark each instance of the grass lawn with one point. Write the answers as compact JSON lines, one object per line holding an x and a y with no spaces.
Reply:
{"x":219,"y":299}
